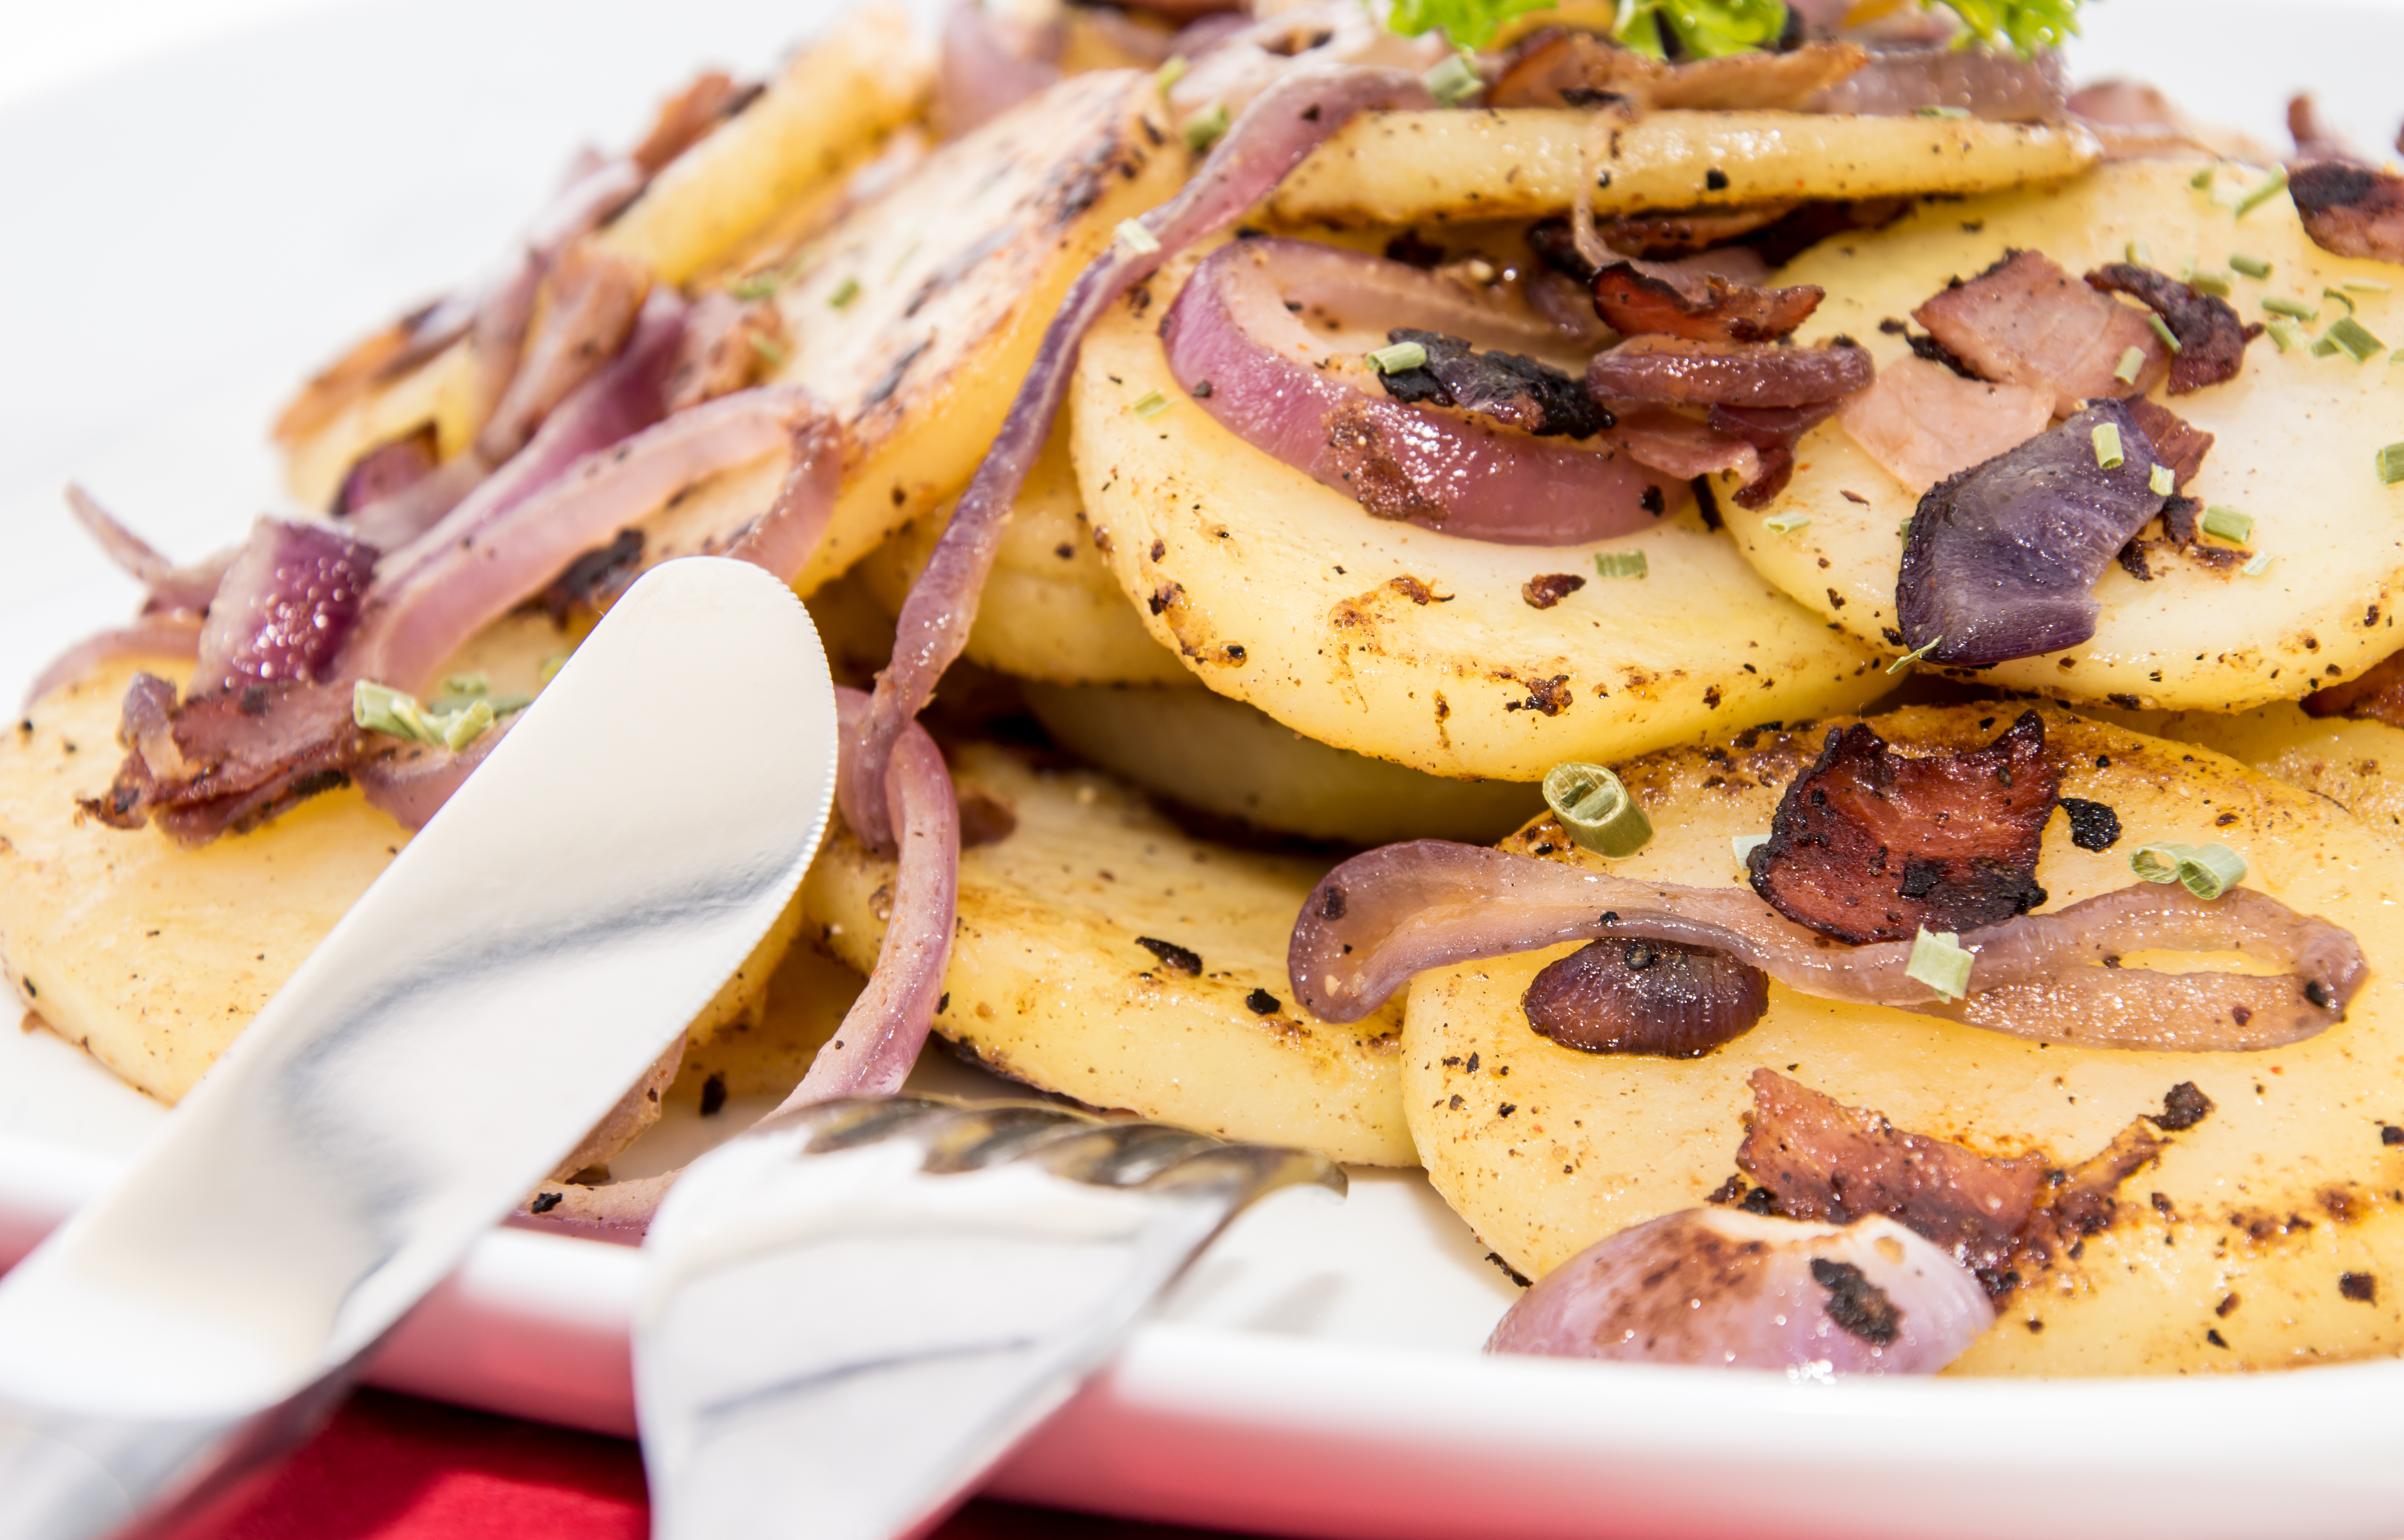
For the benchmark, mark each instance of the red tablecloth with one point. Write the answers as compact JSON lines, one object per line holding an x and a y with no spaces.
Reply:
{"x":392,"y":1468}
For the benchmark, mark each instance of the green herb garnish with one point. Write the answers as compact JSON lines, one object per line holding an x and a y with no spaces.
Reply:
{"x":2258,"y":566}
{"x":1915,"y":654}
{"x":2206,"y":872}
{"x":1398,"y":357}
{"x":2391,"y":464}
{"x":2263,"y":194}
{"x":2354,"y":338}
{"x":1136,"y":237}
{"x":2161,"y":481}
{"x":2132,"y":363}
{"x":1785,"y":523}
{"x":1150,"y":403}
{"x":1620,"y":564}
{"x":844,"y":293}
{"x":2279,"y":304}
{"x":2252,"y":267}
{"x":1455,"y":80}
{"x":2224,"y":523}
{"x":1207,"y":128}
{"x":1595,"y":808}
{"x":2109,"y":452}
{"x":1939,"y":960}
{"x":2163,"y":330}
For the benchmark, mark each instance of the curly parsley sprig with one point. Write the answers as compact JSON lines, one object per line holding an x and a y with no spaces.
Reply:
{"x":1711,"y":29}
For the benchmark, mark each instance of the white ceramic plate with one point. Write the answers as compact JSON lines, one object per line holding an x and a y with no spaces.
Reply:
{"x":187,"y":238}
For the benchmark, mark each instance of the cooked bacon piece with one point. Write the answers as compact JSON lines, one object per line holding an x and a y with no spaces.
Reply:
{"x":1774,"y":431}
{"x":2374,"y":696}
{"x":394,"y":465}
{"x":2177,"y":442}
{"x":1825,"y":1161}
{"x":1924,"y":423}
{"x":1670,"y":234}
{"x":1646,"y":297}
{"x":230,"y":761}
{"x":1510,"y":388}
{"x":689,"y":117}
{"x":2315,"y":139}
{"x":725,"y":347}
{"x":1872,"y":845}
{"x":2212,"y":339}
{"x":2026,"y":320}
{"x":1684,"y":447}
{"x":1557,"y":67}
{"x":1678,"y":371}
{"x":2352,"y":211}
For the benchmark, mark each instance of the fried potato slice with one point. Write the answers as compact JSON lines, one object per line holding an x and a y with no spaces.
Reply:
{"x":1220,"y":756}
{"x":1102,"y":954}
{"x":1051,"y":610}
{"x":1397,"y":168}
{"x":1403,"y":644}
{"x":152,"y":957}
{"x":2248,"y":1227}
{"x":2357,"y":765}
{"x":2296,"y":437}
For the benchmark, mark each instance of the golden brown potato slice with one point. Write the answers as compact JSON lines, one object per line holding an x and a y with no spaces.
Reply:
{"x":1403,"y":644}
{"x":2245,"y":1229}
{"x":2357,"y":765}
{"x":1104,"y":955}
{"x":1397,"y":168}
{"x":2295,"y":441}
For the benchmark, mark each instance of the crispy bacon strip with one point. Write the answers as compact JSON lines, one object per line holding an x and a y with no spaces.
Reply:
{"x":1872,"y":845}
{"x":2375,"y":696}
{"x":2212,"y":339}
{"x":2026,"y":320}
{"x":2351,"y":209}
{"x":1676,"y":371}
{"x":1646,"y":297}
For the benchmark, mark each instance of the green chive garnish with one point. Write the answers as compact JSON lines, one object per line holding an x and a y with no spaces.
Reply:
{"x":2137,"y":251}
{"x":2163,"y":330}
{"x":550,"y":667}
{"x":2107,"y":438}
{"x":2279,"y":304}
{"x":380,"y":707}
{"x":1903,"y":532}
{"x":1400,"y":356}
{"x":754,"y":285}
{"x":1205,"y":128}
{"x":468,"y":684}
{"x":1620,"y":564}
{"x":1785,"y":523}
{"x":2252,"y":267}
{"x":2263,"y":194}
{"x":464,"y":727}
{"x":1454,"y":81}
{"x":1595,"y":808}
{"x":2205,"y":281}
{"x":2286,"y":335}
{"x":1939,"y":960}
{"x":2258,"y":566}
{"x":1171,"y":72}
{"x":2206,"y":872}
{"x":1136,"y":237}
{"x":770,"y":354}
{"x":2391,"y":464}
{"x":844,"y":293}
{"x":2132,"y":363}
{"x":2354,"y":338}
{"x":2325,"y":348}
{"x":2364,"y":286}
{"x":1942,"y":112}
{"x":2344,"y":299}
{"x":1915,"y":654}
{"x":2223,"y":523}
{"x":2202,"y":179}
{"x":2162,"y":480}
{"x":1150,"y":403}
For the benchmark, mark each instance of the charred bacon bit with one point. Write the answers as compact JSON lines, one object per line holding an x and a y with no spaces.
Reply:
{"x":1872,"y":845}
{"x":1646,"y":998}
{"x":1543,"y":591}
{"x":1557,"y":67}
{"x":1784,"y":240}
{"x":1513,"y":390}
{"x":1827,"y":1162}
{"x":2026,"y":320}
{"x":394,"y":465}
{"x":285,"y":607}
{"x":1677,"y":371}
{"x":1644,"y":297}
{"x":2374,"y":696}
{"x":2177,"y":443}
{"x":689,"y":116}
{"x":2352,"y":211}
{"x":2001,"y":559}
{"x":228,"y":761}
{"x":2212,"y":339}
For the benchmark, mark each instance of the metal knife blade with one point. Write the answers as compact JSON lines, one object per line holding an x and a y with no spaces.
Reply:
{"x":852,"y":1310}
{"x":513,"y":970}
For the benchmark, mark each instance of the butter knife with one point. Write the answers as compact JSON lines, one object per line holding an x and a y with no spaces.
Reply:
{"x":513,"y":970}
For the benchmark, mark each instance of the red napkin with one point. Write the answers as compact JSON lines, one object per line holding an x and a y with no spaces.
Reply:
{"x":392,"y":1468}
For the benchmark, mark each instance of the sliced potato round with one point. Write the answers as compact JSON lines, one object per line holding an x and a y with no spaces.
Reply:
{"x":1102,"y":954}
{"x":1051,"y":610}
{"x":2294,"y":440}
{"x":1397,"y":168}
{"x":1221,"y":756}
{"x":2269,"y":1202}
{"x":1401,"y":644}
{"x":2357,"y":765}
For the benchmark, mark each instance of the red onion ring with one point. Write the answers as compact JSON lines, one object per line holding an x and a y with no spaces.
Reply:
{"x":170,"y":587}
{"x":1274,"y":384}
{"x":1385,"y":915}
{"x":171,"y":635}
{"x":1287,"y":122}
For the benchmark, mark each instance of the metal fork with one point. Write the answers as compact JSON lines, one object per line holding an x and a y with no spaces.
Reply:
{"x":853,"y":1311}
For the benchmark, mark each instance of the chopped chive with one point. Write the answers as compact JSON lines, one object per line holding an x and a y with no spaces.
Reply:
{"x":2252,"y":267}
{"x":2206,"y":872}
{"x":2108,"y":454}
{"x":1620,"y":564}
{"x":1171,"y":72}
{"x":468,"y":684}
{"x":2258,"y":566}
{"x":1744,"y":845}
{"x":2224,"y":523}
{"x":1453,"y":81}
{"x":2325,"y":348}
{"x":844,"y":293}
{"x":755,"y":286}
{"x":2356,"y":339}
{"x":1150,"y":403}
{"x":2364,"y":285}
{"x":1136,"y":237}
{"x":2279,"y":304}
{"x":2263,"y":194}
{"x":1207,"y":128}
{"x":2344,"y":299}
{"x":1915,"y":654}
{"x":2391,"y":464}
{"x":2137,"y":251}
{"x":550,"y":667}
{"x":2202,"y":179}
{"x":464,"y":727}
{"x":2163,"y":330}
{"x":380,"y":707}
{"x":1939,"y":960}
{"x":2205,"y":281}
{"x":770,"y":354}
{"x":1903,"y":530}
{"x":2286,"y":335}
{"x":2132,"y":363}
{"x":1394,"y":359}
{"x":1594,"y":806}
{"x":2161,"y":481}
{"x":1785,"y":523}
{"x":1942,"y":112}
